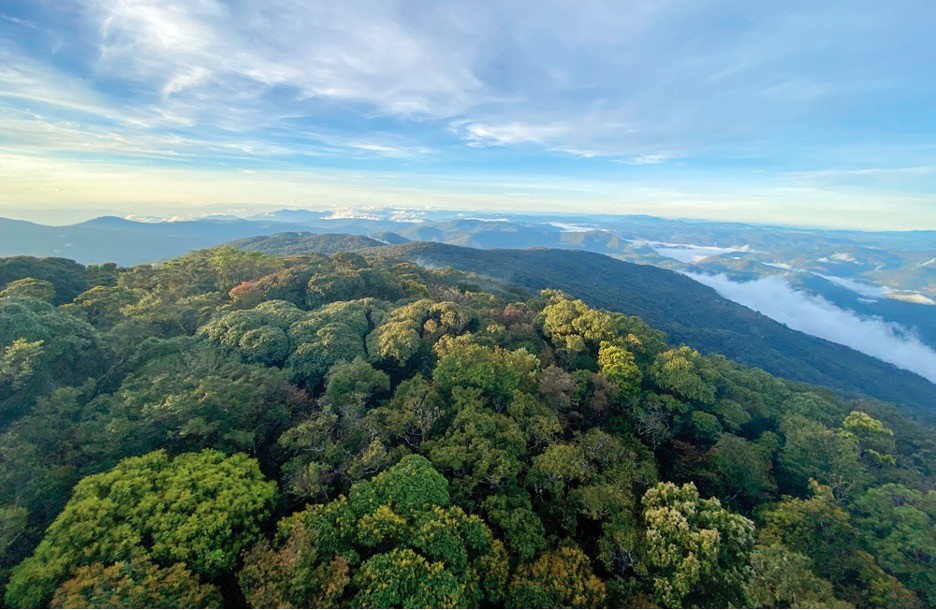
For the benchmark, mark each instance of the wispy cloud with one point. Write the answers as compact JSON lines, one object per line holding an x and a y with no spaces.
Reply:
{"x":806,"y":94}
{"x":479,"y":134}
{"x":648,"y":159}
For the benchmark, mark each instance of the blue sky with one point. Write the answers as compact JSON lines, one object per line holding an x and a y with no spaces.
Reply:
{"x":810,"y":113}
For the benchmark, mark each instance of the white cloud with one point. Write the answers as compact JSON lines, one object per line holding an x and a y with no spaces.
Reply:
{"x":866,"y":290}
{"x":648,"y":159}
{"x":356,"y":52}
{"x":776,"y":299}
{"x":506,"y":134}
{"x":183,"y":81}
{"x":839,"y":257}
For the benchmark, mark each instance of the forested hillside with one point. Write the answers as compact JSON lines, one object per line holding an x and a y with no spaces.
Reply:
{"x":232,"y":428}
{"x":687,"y":311}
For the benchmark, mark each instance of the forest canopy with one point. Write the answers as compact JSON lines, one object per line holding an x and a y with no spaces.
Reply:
{"x":231,"y":428}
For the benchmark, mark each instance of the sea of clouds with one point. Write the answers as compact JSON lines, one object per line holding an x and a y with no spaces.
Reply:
{"x":814,"y":315}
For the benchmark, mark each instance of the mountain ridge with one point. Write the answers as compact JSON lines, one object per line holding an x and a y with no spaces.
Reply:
{"x":730,"y":329}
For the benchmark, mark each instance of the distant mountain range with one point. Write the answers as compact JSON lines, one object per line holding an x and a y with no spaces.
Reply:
{"x":873,"y":282}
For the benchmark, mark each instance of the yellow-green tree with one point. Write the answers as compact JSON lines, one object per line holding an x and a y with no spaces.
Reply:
{"x":557,"y":579}
{"x":696,"y":552}
{"x":198,"y":509}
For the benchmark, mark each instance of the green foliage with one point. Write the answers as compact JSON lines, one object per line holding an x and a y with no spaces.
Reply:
{"x":231,"y":266}
{"x":742,"y":471}
{"x":12,"y":525}
{"x":103,"y":306}
{"x":68,"y":278}
{"x":619,"y":366}
{"x":816,"y":527}
{"x":328,"y":335}
{"x":898,"y":525}
{"x":188,"y":396}
{"x":781,"y":578}
{"x":398,"y":337}
{"x":199,"y":509}
{"x":821,"y":530}
{"x":395,"y":540}
{"x":684,"y":373}
{"x":875,"y":441}
{"x":428,"y":415}
{"x":405,"y":579}
{"x":41,"y":347}
{"x":18,"y":362}
{"x":258,"y":334}
{"x":496,"y":372}
{"x":481,"y":448}
{"x":354,"y":382}
{"x":812,"y":451}
{"x":697,"y":553}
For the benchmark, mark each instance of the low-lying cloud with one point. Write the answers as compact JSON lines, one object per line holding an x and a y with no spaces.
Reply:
{"x":814,"y":315}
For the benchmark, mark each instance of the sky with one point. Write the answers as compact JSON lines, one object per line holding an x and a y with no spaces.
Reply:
{"x":800,"y":112}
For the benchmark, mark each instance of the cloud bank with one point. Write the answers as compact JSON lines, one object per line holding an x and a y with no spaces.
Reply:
{"x":776,"y":299}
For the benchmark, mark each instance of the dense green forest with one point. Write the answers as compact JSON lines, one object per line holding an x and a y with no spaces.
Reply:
{"x":232,"y":428}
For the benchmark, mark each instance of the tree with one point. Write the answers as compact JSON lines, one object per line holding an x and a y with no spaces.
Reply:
{"x":558,"y":579}
{"x":481,"y":449}
{"x":741,"y":471}
{"x":398,"y":337}
{"x":29,"y":287}
{"x":898,"y":525}
{"x":102,"y":306}
{"x":816,"y":527}
{"x":328,"y":335}
{"x":135,"y":584}
{"x":812,"y":451}
{"x":231,"y":266}
{"x":326,"y":288}
{"x":654,"y":418}
{"x":18,"y":362}
{"x":497,"y":372}
{"x":42,"y":347}
{"x":781,"y":578}
{"x":403,"y":578}
{"x":354,"y":382}
{"x":198,"y":509}
{"x":12,"y":525}
{"x":258,"y":334}
{"x":396,"y":538}
{"x":821,"y":530}
{"x":696,"y":551}
{"x":67,"y":277}
{"x":189,"y":395}
{"x":684,"y":373}
{"x":618,"y":365}
{"x":875,"y":441}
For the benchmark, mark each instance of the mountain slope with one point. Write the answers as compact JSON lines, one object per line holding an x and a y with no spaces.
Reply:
{"x":286,"y":244}
{"x":111,"y":239}
{"x":688,"y":312}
